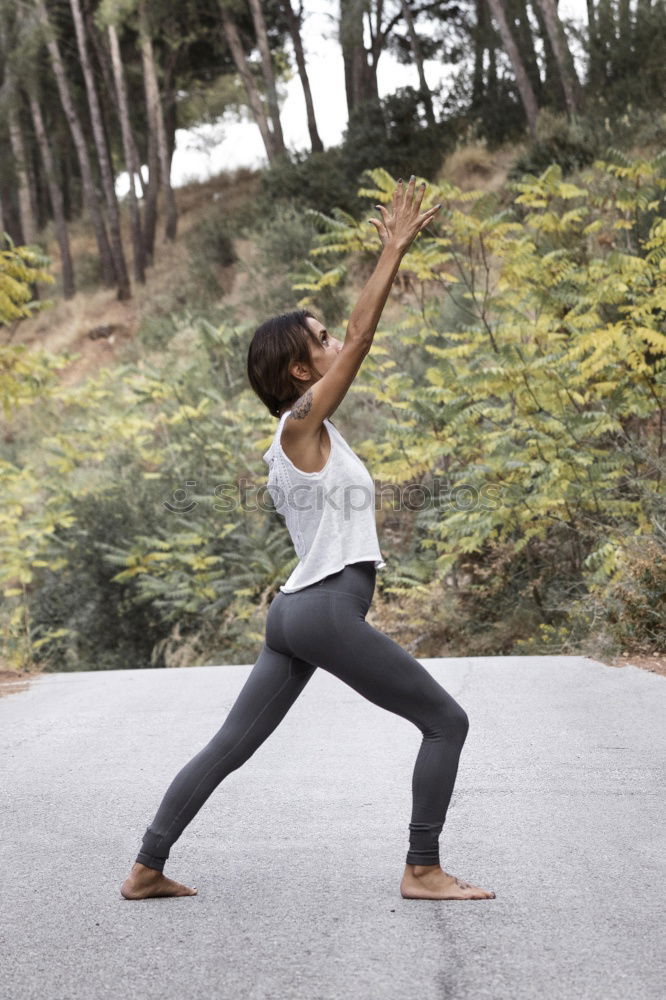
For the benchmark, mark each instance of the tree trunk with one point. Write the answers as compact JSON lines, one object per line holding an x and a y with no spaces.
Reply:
{"x":479,"y":52}
{"x":55,"y":195}
{"x":360,"y":78}
{"x":594,"y":56}
{"x":26,"y":214}
{"x":39,"y":198}
{"x":104,"y":60}
{"x":605,"y":38}
{"x":268,"y":73}
{"x":101,"y":54}
{"x":294,"y":25}
{"x":90,"y":196}
{"x":137,"y":159}
{"x":624,"y":19}
{"x":484,"y":40}
{"x":139,"y":254}
{"x":522,"y":80}
{"x":254,"y":100}
{"x":517,"y":14}
{"x":155,"y":114}
{"x":108,"y":180}
{"x":418,"y":59}
{"x":150,"y":217}
{"x":169,"y":101}
{"x":170,"y":126}
{"x":552,"y":86}
{"x":565,"y":63}
{"x":491,"y":80}
{"x":70,"y":176}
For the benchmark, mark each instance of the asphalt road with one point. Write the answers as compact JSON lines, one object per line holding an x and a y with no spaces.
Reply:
{"x":559,"y":807}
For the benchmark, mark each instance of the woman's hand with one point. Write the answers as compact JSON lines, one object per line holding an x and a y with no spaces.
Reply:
{"x":400,"y":227}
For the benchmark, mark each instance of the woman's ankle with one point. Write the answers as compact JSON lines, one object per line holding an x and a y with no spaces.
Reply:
{"x":417,"y":870}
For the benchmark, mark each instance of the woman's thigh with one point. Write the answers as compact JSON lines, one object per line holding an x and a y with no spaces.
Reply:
{"x":328,"y":629}
{"x":271,"y":688}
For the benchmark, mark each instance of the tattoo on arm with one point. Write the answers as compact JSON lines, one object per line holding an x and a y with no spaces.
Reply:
{"x":303,"y":406}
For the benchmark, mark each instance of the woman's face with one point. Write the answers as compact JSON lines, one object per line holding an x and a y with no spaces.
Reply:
{"x":327,"y":347}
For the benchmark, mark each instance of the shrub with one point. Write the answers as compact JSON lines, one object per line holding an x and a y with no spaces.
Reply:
{"x":633,"y":603}
{"x":392,"y":133}
{"x":211,"y":248}
{"x":105,"y":630}
{"x":572,"y":145}
{"x":282,"y":243}
{"x":550,"y":391}
{"x":87,"y":272}
{"x":314,"y":180}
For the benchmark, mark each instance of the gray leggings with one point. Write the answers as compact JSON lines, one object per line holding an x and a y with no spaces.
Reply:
{"x":323,"y":625}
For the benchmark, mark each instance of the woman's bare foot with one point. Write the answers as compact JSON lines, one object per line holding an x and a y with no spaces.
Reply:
{"x":143,"y":882}
{"x":432,"y":882}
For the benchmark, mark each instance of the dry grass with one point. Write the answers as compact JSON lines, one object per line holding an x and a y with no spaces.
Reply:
{"x":473,"y":166}
{"x":14,"y":681}
{"x":66,"y":325}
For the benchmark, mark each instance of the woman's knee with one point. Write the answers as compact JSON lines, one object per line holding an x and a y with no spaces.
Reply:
{"x":453,"y":721}
{"x":462,"y":722}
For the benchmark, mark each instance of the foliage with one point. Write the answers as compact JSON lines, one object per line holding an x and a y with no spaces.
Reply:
{"x":134,"y":521}
{"x":546,"y":401}
{"x":25,"y":376}
{"x":632,"y":604}
{"x":282,"y":242}
{"x":314,"y":180}
{"x":210,"y":248}
{"x":392,"y":133}
{"x":80,"y":619}
{"x":522,"y":395}
{"x":631,"y":58}
{"x":20,"y":268}
{"x":388,"y":133}
{"x":572,"y":143}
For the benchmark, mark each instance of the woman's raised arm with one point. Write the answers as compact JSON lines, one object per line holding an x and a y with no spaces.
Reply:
{"x":397,"y":230}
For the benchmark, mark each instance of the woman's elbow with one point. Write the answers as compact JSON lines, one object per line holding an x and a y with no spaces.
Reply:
{"x":359,"y":336}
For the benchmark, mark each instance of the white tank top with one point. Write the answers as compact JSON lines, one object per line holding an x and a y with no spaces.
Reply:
{"x":329,"y":514}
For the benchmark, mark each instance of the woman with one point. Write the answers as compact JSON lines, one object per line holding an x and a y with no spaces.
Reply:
{"x":326,"y":496}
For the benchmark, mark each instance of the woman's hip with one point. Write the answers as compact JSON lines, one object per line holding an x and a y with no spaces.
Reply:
{"x":310,"y":616}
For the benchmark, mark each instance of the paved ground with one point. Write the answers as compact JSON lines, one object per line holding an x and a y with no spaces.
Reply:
{"x":558,"y":807}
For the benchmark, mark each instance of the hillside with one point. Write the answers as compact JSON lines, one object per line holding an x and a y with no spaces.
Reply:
{"x":103,"y":330}
{"x":231,"y":263}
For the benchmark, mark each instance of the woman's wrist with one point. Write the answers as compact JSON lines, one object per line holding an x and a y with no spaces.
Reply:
{"x":393,"y":249}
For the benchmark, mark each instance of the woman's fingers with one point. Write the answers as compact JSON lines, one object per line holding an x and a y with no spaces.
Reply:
{"x":419,"y":196}
{"x":407,"y":203}
{"x":428,"y":214}
{"x":381,"y":229}
{"x":385,"y":215}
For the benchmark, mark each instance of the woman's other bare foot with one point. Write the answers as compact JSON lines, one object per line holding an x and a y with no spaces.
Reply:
{"x":143,"y":882}
{"x":431,"y":882}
